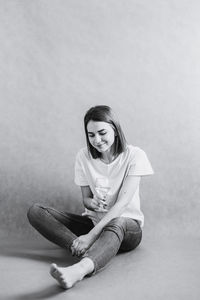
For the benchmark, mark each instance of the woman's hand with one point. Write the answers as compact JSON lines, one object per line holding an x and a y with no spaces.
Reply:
{"x":92,"y":203}
{"x":81,"y":244}
{"x":98,"y":205}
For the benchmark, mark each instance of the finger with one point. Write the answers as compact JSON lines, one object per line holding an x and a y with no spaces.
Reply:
{"x":78,"y":251}
{"x":95,"y":201}
{"x":95,"y":204}
{"x":97,"y":209}
{"x":72,"y":250}
{"x":84,"y":214}
{"x":101,"y":210}
{"x":103,"y":203}
{"x":82,"y":252}
{"x":75,"y":248}
{"x":75,"y":243}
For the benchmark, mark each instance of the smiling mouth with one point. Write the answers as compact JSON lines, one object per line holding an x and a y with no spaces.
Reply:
{"x":99,"y":146}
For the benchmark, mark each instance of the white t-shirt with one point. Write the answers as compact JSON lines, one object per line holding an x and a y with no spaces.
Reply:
{"x":132,"y":162}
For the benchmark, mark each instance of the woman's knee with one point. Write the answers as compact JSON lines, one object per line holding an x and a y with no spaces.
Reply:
{"x":131,"y":241}
{"x":117,"y":222}
{"x":124,"y":227}
{"x":33,"y":212}
{"x":117,"y":226}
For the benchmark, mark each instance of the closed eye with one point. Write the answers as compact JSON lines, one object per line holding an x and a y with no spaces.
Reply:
{"x":90,"y":134}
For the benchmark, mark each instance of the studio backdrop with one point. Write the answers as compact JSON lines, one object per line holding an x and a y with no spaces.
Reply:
{"x":59,"y":58}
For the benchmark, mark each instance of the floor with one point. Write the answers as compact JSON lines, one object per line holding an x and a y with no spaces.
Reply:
{"x":162,"y":268}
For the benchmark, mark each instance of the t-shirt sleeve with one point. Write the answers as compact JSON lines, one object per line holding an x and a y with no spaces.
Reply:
{"x":80,"y":177}
{"x":140,"y":164}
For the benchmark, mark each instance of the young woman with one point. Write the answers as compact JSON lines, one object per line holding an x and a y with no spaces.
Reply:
{"x":108,"y":171}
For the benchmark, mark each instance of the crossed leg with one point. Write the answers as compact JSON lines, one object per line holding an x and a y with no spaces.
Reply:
{"x":62,"y":228}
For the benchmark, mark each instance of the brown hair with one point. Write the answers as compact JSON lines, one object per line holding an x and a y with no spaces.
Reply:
{"x":103,"y":113}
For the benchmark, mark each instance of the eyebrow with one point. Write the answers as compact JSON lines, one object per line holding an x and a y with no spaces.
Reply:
{"x":98,"y":131}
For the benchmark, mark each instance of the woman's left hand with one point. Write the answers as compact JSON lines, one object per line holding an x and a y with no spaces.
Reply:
{"x":81,"y":244}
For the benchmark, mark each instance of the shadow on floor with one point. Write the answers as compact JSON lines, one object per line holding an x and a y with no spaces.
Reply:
{"x":53,"y":255}
{"x":160,"y":269}
{"x":46,"y":293}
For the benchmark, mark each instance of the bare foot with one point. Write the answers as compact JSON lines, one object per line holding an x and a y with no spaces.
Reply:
{"x":69,"y":276}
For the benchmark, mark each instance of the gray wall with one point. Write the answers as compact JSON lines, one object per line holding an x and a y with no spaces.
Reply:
{"x":57,"y":59}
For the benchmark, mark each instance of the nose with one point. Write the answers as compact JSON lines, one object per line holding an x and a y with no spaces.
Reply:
{"x":97,"y":139}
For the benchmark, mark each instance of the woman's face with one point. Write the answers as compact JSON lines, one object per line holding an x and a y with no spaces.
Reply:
{"x":101,"y":135}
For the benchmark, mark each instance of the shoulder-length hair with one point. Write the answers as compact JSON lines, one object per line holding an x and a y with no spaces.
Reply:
{"x":103,"y":113}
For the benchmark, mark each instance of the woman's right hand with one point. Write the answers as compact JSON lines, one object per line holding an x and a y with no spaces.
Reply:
{"x":92,"y":202}
{"x":98,"y":205}
{"x":95,"y":204}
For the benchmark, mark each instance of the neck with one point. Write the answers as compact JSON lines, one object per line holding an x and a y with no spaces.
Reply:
{"x":107,"y":157}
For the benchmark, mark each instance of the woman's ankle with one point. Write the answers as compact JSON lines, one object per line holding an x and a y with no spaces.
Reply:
{"x":87,"y":265}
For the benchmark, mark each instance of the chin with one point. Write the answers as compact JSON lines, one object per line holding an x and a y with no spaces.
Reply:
{"x":104,"y":149}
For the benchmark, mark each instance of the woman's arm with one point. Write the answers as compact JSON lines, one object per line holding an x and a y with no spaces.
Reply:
{"x":90,"y":202}
{"x":82,"y":243}
{"x":127,"y":192}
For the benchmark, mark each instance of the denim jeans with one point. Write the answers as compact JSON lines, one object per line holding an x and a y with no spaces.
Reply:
{"x":62,"y":228}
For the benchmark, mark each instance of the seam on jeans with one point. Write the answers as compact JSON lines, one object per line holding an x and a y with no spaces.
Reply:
{"x":110,"y":229}
{"x":133,"y":232}
{"x":65,"y":215}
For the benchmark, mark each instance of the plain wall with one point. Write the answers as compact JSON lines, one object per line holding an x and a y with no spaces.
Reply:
{"x":59,"y":58}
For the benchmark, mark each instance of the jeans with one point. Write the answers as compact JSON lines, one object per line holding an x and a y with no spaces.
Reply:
{"x":62,"y":228}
